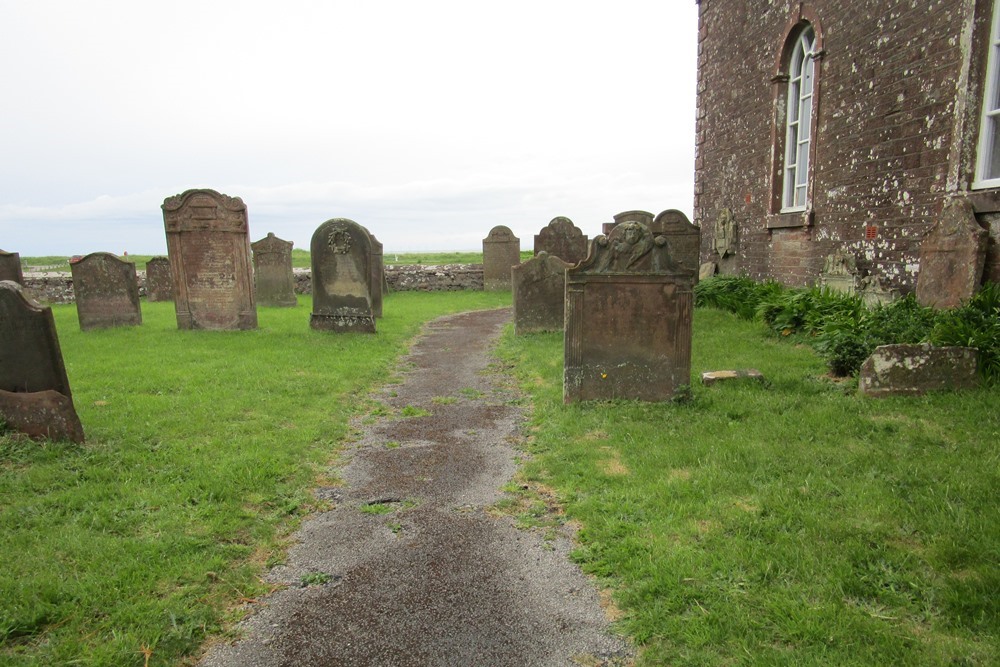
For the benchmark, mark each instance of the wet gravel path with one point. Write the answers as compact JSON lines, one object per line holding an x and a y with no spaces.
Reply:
{"x":435,"y":580}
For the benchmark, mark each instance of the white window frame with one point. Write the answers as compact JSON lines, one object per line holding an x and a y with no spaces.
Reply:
{"x":799,"y":112}
{"x":989,"y":133}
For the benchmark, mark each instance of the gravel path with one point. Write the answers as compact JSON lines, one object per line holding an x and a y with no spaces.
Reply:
{"x":436,"y":580}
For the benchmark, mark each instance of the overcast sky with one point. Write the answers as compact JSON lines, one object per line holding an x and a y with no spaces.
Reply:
{"x":429,"y":122}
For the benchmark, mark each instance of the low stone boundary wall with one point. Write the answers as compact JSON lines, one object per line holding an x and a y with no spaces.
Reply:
{"x":58,"y":288}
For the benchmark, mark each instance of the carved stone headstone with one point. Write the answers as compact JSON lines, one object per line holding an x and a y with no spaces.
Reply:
{"x":159,"y":280}
{"x":681,"y":235}
{"x":341,"y":278}
{"x":724,"y":239}
{"x":874,"y":292}
{"x":501,"y":252}
{"x":539,"y":287}
{"x":628,"y":319}
{"x":107,"y":291}
{"x":35,"y":397}
{"x":272,"y":272}
{"x":952,"y":256}
{"x":910,"y":370}
{"x":10,"y":267}
{"x":562,"y":239}
{"x":840,"y":273}
{"x":208,"y":242}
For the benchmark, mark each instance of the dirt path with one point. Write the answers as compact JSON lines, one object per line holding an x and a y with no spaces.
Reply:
{"x":436,"y":580}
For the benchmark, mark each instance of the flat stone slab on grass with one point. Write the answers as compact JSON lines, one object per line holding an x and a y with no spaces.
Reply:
{"x":911,"y":370}
{"x":711,"y":377}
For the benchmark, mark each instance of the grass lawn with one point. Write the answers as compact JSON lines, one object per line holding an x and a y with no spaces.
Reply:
{"x":202,"y":448}
{"x":789,"y":523}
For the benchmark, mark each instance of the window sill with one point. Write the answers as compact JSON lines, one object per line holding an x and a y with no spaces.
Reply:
{"x":790,"y":219}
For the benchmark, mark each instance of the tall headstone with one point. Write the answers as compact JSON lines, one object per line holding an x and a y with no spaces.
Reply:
{"x":159,"y":281}
{"x":562,"y":239}
{"x":952,"y":257}
{"x":628,"y":319}
{"x":341,"y":252}
{"x":10,"y":267}
{"x":35,"y":397}
{"x":272,"y":272}
{"x":107,"y":291}
{"x":539,"y":287}
{"x":501,"y":252}
{"x":208,"y":242}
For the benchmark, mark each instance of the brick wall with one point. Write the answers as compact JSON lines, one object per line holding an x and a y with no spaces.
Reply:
{"x":897,"y":99}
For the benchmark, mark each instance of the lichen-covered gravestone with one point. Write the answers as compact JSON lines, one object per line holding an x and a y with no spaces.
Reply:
{"x":952,"y":257}
{"x":628,"y":319}
{"x":272,"y":272}
{"x":159,"y":281}
{"x":539,"y":287}
{"x":501,"y":252}
{"x":682,"y":237}
{"x":378,"y":274}
{"x":562,"y":239}
{"x":107,"y":292}
{"x":341,"y":278}
{"x":35,"y":397}
{"x":840,"y":273}
{"x":912,"y":370}
{"x":10,"y":267}
{"x":208,"y":242}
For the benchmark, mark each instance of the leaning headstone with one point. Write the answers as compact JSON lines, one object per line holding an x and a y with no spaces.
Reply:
{"x":272,"y":272}
{"x":539,"y":287}
{"x":911,"y":370}
{"x":840,"y":273}
{"x":10,"y":267}
{"x":952,"y":257}
{"x":341,"y":252}
{"x":562,"y":239}
{"x":107,"y":292}
{"x":208,"y":242}
{"x":501,"y":252}
{"x":35,"y":396}
{"x":628,"y":319}
{"x":159,"y":281}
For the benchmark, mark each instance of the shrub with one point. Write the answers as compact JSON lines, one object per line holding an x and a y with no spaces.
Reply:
{"x":736,"y":294}
{"x":975,"y":324}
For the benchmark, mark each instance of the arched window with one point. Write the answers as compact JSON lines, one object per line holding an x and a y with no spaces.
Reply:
{"x":988,"y":155}
{"x":798,"y":123}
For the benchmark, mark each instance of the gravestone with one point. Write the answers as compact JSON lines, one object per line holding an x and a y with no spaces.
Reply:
{"x":539,"y":287}
{"x":562,"y":239}
{"x":378,"y":275}
{"x":107,"y":291}
{"x":680,"y":234}
{"x":341,"y":278}
{"x":35,"y":397}
{"x":952,"y":256}
{"x":840,"y":273}
{"x":159,"y":281}
{"x":272,"y":272}
{"x":724,"y":238}
{"x":501,"y":252}
{"x":208,"y":242}
{"x":628,"y":319}
{"x":874,"y":292}
{"x":911,"y":370}
{"x":10,"y":267}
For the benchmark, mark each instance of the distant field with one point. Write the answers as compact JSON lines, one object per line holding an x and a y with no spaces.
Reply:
{"x":300,"y":259}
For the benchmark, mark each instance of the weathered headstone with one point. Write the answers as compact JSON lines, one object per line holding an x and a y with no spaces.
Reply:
{"x":628,"y":319}
{"x":107,"y":291}
{"x":341,"y":278}
{"x":840,"y":273}
{"x":539,"y":287}
{"x":35,"y":397}
{"x":874,"y":292}
{"x":272,"y":272}
{"x":378,"y":275}
{"x":501,"y":252}
{"x":562,"y":239}
{"x":724,"y":238}
{"x":952,"y":257}
{"x":159,"y":281}
{"x":208,"y":242}
{"x":10,"y":267}
{"x":910,"y":370}
{"x":707,"y":270}
{"x":680,"y":234}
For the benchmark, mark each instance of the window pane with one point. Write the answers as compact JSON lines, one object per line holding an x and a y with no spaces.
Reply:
{"x":807,"y":76}
{"x":806,"y":122}
{"x":788,"y":199}
{"x":791,"y":145}
{"x":800,"y":196}
{"x":802,"y":164}
{"x":994,"y":103}
{"x":993,"y":166}
{"x":793,"y":102}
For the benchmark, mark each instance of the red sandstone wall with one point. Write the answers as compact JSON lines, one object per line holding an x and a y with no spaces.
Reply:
{"x":895,"y":131}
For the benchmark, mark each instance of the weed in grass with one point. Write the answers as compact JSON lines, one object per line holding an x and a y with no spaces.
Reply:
{"x":315,"y":579}
{"x":396,"y":528}
{"x":411,"y":411}
{"x":444,"y":400}
{"x":392,"y":444}
{"x":470,"y":393}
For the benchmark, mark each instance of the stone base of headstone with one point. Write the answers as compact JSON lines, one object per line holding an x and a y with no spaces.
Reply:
{"x":342,"y":323}
{"x":911,"y":370}
{"x":41,"y":415}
